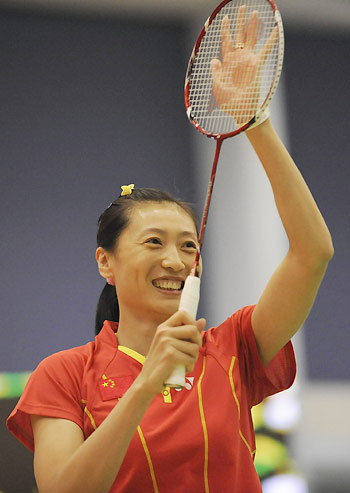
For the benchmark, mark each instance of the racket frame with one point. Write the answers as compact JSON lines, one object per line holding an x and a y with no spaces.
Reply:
{"x":273,"y":87}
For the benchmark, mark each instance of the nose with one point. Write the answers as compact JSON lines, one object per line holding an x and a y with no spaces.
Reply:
{"x":172,"y":260}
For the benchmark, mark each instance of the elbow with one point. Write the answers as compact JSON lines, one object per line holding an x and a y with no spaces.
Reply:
{"x":328,"y":250}
{"x":317,"y":256}
{"x":324,"y":254}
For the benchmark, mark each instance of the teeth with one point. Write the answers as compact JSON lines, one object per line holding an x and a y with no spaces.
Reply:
{"x":171,"y":285}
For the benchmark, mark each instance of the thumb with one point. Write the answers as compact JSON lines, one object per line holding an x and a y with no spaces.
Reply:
{"x":215,"y":67}
{"x":201,"y":323}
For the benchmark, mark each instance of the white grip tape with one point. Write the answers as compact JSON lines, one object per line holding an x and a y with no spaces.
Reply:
{"x":177,"y":379}
{"x":190,"y":296}
{"x":188,"y":303}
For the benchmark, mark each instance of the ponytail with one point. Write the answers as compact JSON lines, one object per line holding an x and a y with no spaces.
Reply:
{"x":107,"y":307}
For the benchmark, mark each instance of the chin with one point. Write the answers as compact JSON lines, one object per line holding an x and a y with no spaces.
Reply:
{"x":167,"y":311}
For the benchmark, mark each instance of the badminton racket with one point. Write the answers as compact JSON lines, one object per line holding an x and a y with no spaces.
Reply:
{"x":232,"y":74}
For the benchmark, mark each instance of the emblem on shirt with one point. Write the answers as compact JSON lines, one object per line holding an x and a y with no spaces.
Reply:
{"x":114,"y":387}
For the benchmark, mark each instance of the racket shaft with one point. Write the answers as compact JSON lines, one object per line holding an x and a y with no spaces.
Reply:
{"x":219,"y":141}
{"x":188,"y":303}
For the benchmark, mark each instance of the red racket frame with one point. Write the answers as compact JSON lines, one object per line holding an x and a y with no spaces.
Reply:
{"x":219,"y":137}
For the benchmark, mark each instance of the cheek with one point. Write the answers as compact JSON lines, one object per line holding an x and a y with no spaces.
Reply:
{"x":132,"y":271}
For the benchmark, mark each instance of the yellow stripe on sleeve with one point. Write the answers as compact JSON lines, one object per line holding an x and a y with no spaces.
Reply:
{"x":204,"y":426}
{"x":149,"y":460}
{"x":86,"y":411}
{"x":233,"y":387}
{"x":238,"y":405}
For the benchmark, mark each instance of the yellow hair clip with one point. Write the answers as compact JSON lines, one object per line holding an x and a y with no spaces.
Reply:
{"x":127,"y":189}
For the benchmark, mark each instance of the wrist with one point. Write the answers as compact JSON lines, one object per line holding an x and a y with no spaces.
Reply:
{"x":142,"y":390}
{"x":265,"y":115}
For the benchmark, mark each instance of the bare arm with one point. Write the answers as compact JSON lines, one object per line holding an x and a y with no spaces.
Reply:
{"x":289,"y":295}
{"x":65,"y":463}
{"x":291,"y":291}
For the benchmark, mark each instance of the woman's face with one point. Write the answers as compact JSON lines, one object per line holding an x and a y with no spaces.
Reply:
{"x":153,"y":257}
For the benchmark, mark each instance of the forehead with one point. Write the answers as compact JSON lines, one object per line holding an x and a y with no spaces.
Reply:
{"x":161,"y":215}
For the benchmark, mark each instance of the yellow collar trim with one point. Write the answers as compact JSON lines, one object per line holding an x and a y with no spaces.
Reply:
{"x":134,"y":354}
{"x":141,"y":359}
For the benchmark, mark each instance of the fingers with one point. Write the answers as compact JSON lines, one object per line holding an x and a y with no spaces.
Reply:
{"x":176,"y":342}
{"x":189,"y":332}
{"x":240,"y":34}
{"x":201,"y":323}
{"x":226,"y":38}
{"x":215,"y":67}
{"x":184,"y":352}
{"x":246,"y":35}
{"x":216,"y":72}
{"x":252,"y":31}
{"x":267,"y":48}
{"x":179,"y":319}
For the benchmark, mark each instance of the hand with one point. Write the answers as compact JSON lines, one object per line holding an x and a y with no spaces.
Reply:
{"x":236,"y":80}
{"x":176,"y":341}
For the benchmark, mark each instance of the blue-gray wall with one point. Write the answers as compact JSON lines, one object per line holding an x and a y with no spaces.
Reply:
{"x":86,"y":106}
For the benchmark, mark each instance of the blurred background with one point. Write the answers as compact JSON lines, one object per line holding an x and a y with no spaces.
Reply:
{"x":91,"y":98}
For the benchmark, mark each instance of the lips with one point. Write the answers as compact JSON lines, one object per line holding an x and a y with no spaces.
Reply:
{"x":168,"y":284}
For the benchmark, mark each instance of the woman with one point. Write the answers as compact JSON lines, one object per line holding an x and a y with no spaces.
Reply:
{"x":99,"y":416}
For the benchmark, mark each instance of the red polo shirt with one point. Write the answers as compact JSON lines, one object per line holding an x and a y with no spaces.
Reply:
{"x":198,"y":439}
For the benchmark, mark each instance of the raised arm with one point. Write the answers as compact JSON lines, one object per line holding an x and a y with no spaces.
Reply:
{"x":291,"y":291}
{"x":289,"y":295}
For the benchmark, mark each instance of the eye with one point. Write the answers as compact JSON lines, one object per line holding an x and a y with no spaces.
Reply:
{"x":153,"y":241}
{"x":190,"y":245}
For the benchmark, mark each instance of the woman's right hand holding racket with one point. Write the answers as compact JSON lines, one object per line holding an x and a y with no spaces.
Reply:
{"x":236,"y":79}
{"x":176,"y":342}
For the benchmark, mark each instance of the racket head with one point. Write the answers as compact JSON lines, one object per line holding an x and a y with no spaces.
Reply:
{"x":202,"y":107}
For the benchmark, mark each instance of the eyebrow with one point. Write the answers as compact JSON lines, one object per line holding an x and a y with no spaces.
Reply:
{"x":162,"y":231}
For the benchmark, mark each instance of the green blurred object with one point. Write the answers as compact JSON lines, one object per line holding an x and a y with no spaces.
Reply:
{"x":271,"y":455}
{"x":258,"y":416}
{"x":12,"y":384}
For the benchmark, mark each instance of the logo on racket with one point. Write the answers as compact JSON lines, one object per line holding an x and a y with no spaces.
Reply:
{"x":188,"y":384}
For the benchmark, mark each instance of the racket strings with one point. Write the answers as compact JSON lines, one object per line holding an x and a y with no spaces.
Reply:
{"x":218,"y":117}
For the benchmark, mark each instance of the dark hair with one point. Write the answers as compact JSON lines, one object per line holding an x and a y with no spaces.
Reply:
{"x":111,"y":223}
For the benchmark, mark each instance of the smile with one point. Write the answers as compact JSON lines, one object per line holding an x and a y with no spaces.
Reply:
{"x":169,"y":285}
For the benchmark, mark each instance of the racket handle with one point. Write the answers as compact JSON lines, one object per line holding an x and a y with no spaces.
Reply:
{"x":190,"y":296}
{"x":188,"y":303}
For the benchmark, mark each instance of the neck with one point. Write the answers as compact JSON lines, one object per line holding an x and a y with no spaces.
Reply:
{"x":137,"y":333}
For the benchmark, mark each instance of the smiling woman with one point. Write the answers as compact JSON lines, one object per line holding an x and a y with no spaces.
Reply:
{"x":143,"y":208}
{"x":147,"y":262}
{"x":100,"y":417}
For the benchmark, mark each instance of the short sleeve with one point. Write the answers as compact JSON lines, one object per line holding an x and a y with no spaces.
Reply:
{"x":236,"y":337}
{"x":53,"y":390}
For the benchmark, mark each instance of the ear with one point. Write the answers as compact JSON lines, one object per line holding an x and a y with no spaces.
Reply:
{"x":200,"y":266}
{"x":103,"y":262}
